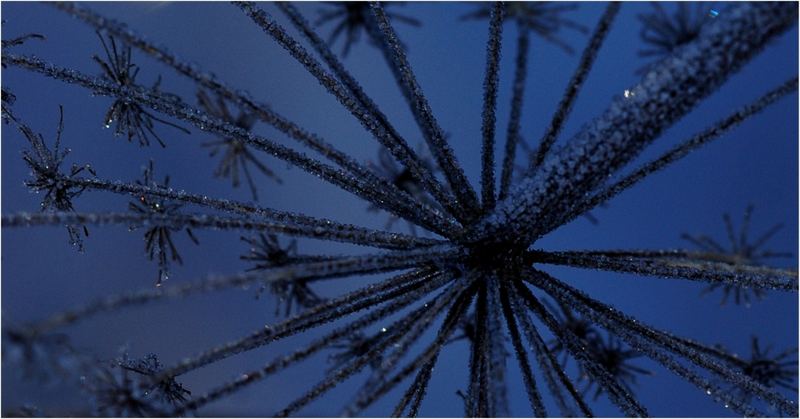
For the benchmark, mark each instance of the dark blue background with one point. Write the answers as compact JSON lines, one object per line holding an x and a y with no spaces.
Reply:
{"x":757,"y":163}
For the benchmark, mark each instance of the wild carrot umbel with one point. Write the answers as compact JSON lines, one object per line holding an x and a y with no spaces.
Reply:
{"x":498,"y":300}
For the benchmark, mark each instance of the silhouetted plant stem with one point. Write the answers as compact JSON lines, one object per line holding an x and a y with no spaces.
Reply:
{"x":407,"y":328}
{"x":209,"y":81}
{"x":416,"y":391}
{"x":355,"y":89}
{"x":683,"y":149}
{"x":547,"y":361}
{"x":618,"y":395}
{"x":371,"y":192}
{"x":478,"y":390}
{"x":137,"y":191}
{"x":321,"y":343}
{"x":454,"y":314}
{"x":630,"y":123}
{"x":433,"y":133}
{"x":521,"y":353}
{"x":685,"y":265}
{"x":517,"y":96}
{"x":588,"y":58}
{"x":647,"y":339}
{"x":397,"y":146}
{"x":323,"y":230}
{"x":488,"y":118}
{"x":415,"y":282}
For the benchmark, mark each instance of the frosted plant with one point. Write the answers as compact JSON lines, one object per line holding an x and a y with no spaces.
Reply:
{"x":122,"y":388}
{"x":544,"y":18}
{"x":480,"y":281}
{"x":158,"y":238}
{"x":354,"y":17}
{"x":236,"y":154}
{"x":615,"y":359}
{"x":403,"y":180}
{"x":267,"y":253}
{"x":740,"y":252}
{"x":129,"y":117}
{"x":664,"y":33}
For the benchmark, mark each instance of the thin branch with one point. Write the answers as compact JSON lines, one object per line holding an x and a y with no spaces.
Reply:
{"x":522,"y":356}
{"x":680,"y":151}
{"x":430,"y":354}
{"x":283,"y":362}
{"x":684,"y":265}
{"x":489,"y":120}
{"x":535,"y":206}
{"x":322,"y":229}
{"x":356,"y":90}
{"x":424,"y":115}
{"x":418,"y":319}
{"x":417,"y":282}
{"x":518,"y":94}
{"x":576,"y":82}
{"x":548,"y":362}
{"x":496,"y":350}
{"x":412,"y":210}
{"x":396,"y":145}
{"x":618,"y":395}
{"x":637,"y":334}
{"x":211,"y":82}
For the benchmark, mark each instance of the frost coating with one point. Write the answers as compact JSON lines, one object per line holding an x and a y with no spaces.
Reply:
{"x":664,"y":95}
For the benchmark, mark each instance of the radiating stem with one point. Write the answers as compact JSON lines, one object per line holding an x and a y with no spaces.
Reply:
{"x":576,"y":82}
{"x":409,"y":210}
{"x":433,"y":133}
{"x":685,"y":265}
{"x":323,"y":230}
{"x":517,"y":96}
{"x":683,"y":149}
{"x":396,"y":145}
{"x":668,"y":92}
{"x":211,"y":82}
{"x":489,"y":120}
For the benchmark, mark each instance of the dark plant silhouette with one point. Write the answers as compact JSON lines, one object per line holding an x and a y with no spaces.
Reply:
{"x":158,"y":238}
{"x":664,"y":33}
{"x":236,"y":154}
{"x":353,"y":18}
{"x":741,"y":251}
{"x":475,"y":279}
{"x":544,"y":18}
{"x":267,"y":253}
{"x":129,"y":117}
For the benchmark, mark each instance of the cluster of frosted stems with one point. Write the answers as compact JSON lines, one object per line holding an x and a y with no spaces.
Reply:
{"x":478,"y":267}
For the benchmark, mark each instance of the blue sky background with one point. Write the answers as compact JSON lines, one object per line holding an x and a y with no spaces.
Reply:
{"x":42,"y":274}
